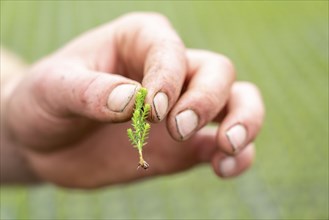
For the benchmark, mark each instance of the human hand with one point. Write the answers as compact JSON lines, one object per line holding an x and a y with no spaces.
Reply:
{"x":69,"y":113}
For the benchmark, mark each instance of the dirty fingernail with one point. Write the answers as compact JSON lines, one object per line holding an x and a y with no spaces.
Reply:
{"x":160,"y":103}
{"x":120,"y":97}
{"x":186,"y":123}
{"x":227,"y":166}
{"x":237,"y":136}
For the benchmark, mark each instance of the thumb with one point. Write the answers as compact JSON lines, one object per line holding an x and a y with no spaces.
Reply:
{"x":95,"y":95}
{"x":43,"y":109}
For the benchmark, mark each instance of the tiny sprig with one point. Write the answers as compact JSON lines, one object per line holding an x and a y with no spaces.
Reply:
{"x":139,"y":134}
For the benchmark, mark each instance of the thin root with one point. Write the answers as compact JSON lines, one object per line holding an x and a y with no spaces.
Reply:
{"x":142,"y":163}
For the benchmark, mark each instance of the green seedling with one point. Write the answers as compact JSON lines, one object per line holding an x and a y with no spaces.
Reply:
{"x":141,"y":128}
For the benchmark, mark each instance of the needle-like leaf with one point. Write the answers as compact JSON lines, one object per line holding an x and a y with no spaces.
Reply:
{"x":141,"y":128}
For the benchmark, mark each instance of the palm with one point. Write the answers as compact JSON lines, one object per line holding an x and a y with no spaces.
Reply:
{"x":106,"y":156}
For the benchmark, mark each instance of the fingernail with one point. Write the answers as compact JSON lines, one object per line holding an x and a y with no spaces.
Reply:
{"x":227,"y":166}
{"x":237,"y":136}
{"x":186,"y":122}
{"x":120,"y":97}
{"x":160,"y":103}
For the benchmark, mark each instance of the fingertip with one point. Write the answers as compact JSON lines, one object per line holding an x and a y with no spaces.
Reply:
{"x":120,"y":97}
{"x":244,"y":119}
{"x":160,"y":106}
{"x":227,"y":167}
{"x":231,"y":166}
{"x":103,"y":97}
{"x":207,"y":90}
{"x":121,"y":101}
{"x":232,"y":139}
{"x":182,"y":125}
{"x":161,"y":95}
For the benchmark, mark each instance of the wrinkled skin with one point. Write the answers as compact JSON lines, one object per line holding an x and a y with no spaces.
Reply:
{"x":60,"y":117}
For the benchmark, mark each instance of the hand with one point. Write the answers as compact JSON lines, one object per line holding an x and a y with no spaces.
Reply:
{"x":69,"y":113}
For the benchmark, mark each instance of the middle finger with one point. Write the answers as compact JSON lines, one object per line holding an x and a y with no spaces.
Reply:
{"x":209,"y":83}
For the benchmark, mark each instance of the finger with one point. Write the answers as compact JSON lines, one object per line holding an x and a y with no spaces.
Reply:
{"x":72,"y":90}
{"x":140,"y":46}
{"x":147,"y":43}
{"x":231,"y":166}
{"x":210,"y":80}
{"x":244,"y":119}
{"x":57,"y":101}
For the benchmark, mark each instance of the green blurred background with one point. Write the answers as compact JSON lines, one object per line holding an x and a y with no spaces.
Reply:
{"x":282,"y":46}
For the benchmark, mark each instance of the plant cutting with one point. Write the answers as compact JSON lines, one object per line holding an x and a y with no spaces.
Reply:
{"x":139,"y":134}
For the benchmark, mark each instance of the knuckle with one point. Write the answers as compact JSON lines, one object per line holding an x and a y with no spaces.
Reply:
{"x":245,"y":85}
{"x":149,"y":27}
{"x":222,"y":62}
{"x":43,"y":77}
{"x":256,"y":122}
{"x":259,"y":123}
{"x":86,"y":93}
{"x":147,"y":17}
{"x":226,"y":63}
{"x":207,"y":103}
{"x":158,"y":17}
{"x":254,"y":90}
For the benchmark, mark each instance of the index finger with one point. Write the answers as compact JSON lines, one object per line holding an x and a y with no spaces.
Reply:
{"x":148,"y":44}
